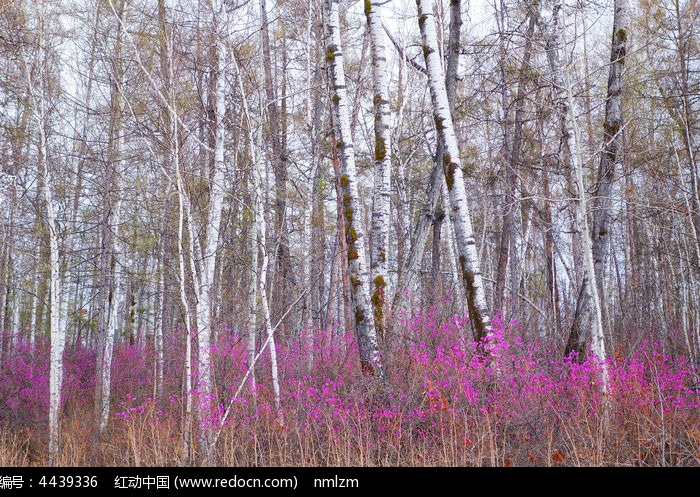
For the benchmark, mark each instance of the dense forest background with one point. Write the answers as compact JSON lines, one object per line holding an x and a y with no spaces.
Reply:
{"x":425,"y":212}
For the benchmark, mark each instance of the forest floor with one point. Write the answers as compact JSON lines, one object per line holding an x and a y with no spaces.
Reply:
{"x":442,"y":403}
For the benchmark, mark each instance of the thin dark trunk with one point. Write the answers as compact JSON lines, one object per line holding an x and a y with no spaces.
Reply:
{"x":342,"y":244}
{"x":513,"y":148}
{"x":436,"y":278}
{"x":276,"y":126}
{"x":551,"y":268}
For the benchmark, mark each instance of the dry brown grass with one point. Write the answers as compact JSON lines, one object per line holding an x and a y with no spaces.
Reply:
{"x":631,"y":439}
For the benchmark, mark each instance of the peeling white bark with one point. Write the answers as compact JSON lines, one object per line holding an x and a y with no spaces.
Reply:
{"x":57,"y":321}
{"x":466,"y":244}
{"x":379,"y":249}
{"x":363,"y":317}
{"x":205,"y":284}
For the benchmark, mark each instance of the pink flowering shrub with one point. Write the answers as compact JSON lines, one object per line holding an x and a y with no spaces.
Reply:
{"x":443,"y":401}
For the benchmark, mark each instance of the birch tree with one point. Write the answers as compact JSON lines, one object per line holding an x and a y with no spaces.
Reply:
{"x":362,"y":315}
{"x":470,"y":272}
{"x":312,"y":236}
{"x":16,"y":120}
{"x":612,"y":149}
{"x":172,"y":171}
{"x":169,"y":155}
{"x":58,"y":332}
{"x":275,"y":111}
{"x":430,"y":213}
{"x":261,"y":246}
{"x":601,"y":205}
{"x":672,"y":56}
{"x":37,"y":81}
{"x":111,"y":289}
{"x":552,"y":33}
{"x":205,"y":277}
{"x":379,"y":253}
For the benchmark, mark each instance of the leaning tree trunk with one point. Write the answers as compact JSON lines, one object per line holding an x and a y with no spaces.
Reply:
{"x":363,"y":317}
{"x":261,"y":228}
{"x":612,"y":145}
{"x":600,"y":225}
{"x":410,"y":273}
{"x":430,"y":213}
{"x":466,"y":244}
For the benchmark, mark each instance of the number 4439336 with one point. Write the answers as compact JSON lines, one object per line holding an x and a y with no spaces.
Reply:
{"x":68,"y":481}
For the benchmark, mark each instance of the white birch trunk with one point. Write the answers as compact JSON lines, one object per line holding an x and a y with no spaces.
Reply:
{"x":261,"y":226}
{"x":159,"y":362}
{"x":115,"y":304}
{"x":571,"y":145}
{"x":595,"y":241}
{"x":182,"y":208}
{"x":313,"y":116}
{"x":589,"y":290}
{"x":32,"y":318}
{"x":105,"y":378}
{"x":561,"y":103}
{"x":58,"y":336}
{"x":205,"y":287}
{"x":612,"y":149}
{"x":454,"y":48}
{"x":402,"y":215}
{"x":451,"y":255}
{"x":16,"y":314}
{"x":466,"y":244}
{"x":363,"y":317}
{"x":172,"y":166}
{"x":113,"y":270}
{"x":308,"y":213}
{"x":111,"y":185}
{"x":379,"y":251}
{"x":253,"y":299}
{"x":437,"y":188}
{"x":170,"y":131}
